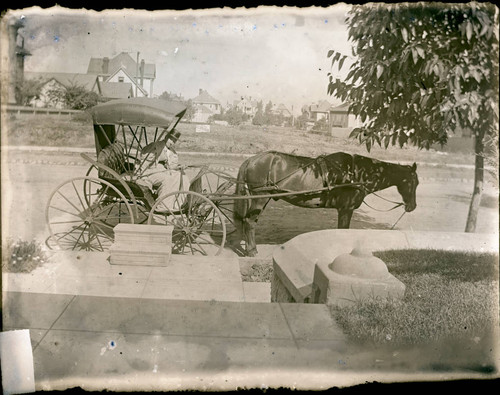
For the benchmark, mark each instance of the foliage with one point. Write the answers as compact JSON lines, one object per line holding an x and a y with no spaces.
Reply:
{"x":28,"y":90}
{"x":233,"y":116}
{"x":259,"y":272}
{"x":449,"y":295}
{"x":320,"y":125}
{"x":420,"y":71}
{"x":259,"y":119}
{"x":74,"y":96}
{"x":22,"y":256}
{"x":170,"y":96}
{"x":302,"y":121}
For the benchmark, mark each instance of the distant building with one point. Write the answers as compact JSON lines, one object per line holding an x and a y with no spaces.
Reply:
{"x":205,"y":106}
{"x":320,"y":110}
{"x":340,"y":117}
{"x":246,"y":105}
{"x":53,"y":82}
{"x":282,"y":110}
{"x":124,"y":69}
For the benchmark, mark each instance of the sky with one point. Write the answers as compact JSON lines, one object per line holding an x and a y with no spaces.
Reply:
{"x":276,"y":54}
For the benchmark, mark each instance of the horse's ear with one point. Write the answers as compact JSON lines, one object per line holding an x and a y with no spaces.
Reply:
{"x":414,"y":167}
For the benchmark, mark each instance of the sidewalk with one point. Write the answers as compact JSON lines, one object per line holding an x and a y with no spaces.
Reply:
{"x":99,"y":326}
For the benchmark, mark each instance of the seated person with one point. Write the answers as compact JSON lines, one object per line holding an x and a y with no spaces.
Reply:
{"x":161,"y":172}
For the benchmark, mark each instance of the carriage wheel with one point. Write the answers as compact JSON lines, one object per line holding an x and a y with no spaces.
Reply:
{"x":140,"y":210}
{"x":217,"y":182}
{"x":198,"y":225}
{"x":82,"y":212}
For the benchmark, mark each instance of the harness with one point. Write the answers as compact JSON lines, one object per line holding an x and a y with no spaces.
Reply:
{"x":324,"y":171}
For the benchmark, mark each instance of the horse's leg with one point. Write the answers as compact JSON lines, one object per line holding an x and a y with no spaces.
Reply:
{"x":250,"y":223}
{"x":344,"y":218}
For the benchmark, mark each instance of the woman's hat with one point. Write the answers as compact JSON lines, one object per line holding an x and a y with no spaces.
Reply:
{"x":173,"y":135}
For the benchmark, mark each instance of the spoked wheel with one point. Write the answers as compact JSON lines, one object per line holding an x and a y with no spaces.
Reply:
{"x":140,"y":210}
{"x":82,"y":212}
{"x":198,"y":225}
{"x":217,"y":182}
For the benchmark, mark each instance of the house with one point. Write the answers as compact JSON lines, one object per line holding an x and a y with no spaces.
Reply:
{"x":205,"y":106}
{"x":56,"y":82}
{"x":340,"y":117}
{"x":124,"y":69}
{"x":320,"y":110}
{"x":281,"y":110}
{"x":246,"y":105}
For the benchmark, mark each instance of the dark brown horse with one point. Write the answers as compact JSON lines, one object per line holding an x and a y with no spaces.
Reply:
{"x":338,"y":180}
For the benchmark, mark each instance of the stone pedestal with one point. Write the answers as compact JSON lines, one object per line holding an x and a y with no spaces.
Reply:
{"x":141,"y":245}
{"x":353,"y":277}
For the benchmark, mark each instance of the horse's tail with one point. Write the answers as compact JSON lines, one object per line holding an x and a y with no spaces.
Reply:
{"x":241,"y":206}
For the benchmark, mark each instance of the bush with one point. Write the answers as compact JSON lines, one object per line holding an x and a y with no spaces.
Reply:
{"x":22,"y":256}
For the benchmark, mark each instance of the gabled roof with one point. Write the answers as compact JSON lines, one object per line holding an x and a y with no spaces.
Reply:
{"x":116,"y":90}
{"x":341,"y":108}
{"x":66,"y":79}
{"x":203,"y":109}
{"x":123,"y":61}
{"x":130,"y":78}
{"x":205,"y":98}
{"x":323,"y":106}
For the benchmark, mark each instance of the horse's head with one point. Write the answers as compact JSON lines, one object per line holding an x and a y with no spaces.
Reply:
{"x":407,"y":187}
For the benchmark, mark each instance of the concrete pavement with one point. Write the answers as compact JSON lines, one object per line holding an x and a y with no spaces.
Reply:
{"x":99,"y":326}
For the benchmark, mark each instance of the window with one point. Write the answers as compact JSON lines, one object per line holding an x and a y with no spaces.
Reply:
{"x":121,"y":79}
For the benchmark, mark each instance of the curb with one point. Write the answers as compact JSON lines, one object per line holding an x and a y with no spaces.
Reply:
{"x":195,"y":153}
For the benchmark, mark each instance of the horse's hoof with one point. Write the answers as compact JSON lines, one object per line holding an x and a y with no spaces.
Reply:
{"x":252,"y":253}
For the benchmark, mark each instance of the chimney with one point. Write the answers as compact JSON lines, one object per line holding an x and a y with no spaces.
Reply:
{"x":200,"y":91}
{"x":142,"y":72}
{"x":105,"y":65}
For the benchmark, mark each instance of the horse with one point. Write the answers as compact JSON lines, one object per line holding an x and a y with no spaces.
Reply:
{"x":338,"y":180}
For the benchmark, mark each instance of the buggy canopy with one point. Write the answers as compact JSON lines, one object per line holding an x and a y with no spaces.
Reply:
{"x":138,"y":111}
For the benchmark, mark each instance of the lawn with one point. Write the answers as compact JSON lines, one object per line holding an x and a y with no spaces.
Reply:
{"x":450,"y":296}
{"x":45,"y":130}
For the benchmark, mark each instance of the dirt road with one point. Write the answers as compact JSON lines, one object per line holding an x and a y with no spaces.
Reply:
{"x":442,"y":197}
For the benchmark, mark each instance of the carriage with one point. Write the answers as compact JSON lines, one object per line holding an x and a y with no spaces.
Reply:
{"x":82,"y":212}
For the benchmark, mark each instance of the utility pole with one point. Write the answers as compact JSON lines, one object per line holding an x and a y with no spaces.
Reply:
{"x":137,"y":73}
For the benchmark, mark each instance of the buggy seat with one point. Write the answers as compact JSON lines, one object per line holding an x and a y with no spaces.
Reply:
{"x":113,"y":156}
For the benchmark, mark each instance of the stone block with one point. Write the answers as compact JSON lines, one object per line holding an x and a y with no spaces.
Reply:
{"x":354,"y":277}
{"x":141,"y":245}
{"x":150,"y":234}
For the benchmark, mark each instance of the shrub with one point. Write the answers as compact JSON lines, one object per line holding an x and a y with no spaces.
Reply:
{"x":22,"y":256}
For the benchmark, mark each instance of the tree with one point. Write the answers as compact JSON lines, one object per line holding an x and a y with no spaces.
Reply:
{"x":190,"y":110}
{"x":28,"y":90}
{"x":259,"y":118}
{"x":77,"y":97}
{"x":419,"y":72}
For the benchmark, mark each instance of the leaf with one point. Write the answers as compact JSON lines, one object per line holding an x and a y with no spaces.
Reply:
{"x":355,"y":132}
{"x":414,"y":55}
{"x":387,"y":140}
{"x":368,"y":144}
{"x":330,"y":53}
{"x":468,"y":30}
{"x":341,"y":63}
{"x":404,"y":33}
{"x":380,"y":71}
{"x":402,"y":139}
{"x":420,"y":52}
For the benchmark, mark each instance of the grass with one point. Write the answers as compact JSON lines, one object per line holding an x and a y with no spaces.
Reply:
{"x":449,"y":296}
{"x":77,"y":131}
{"x":22,"y":256}
{"x":259,"y":272}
